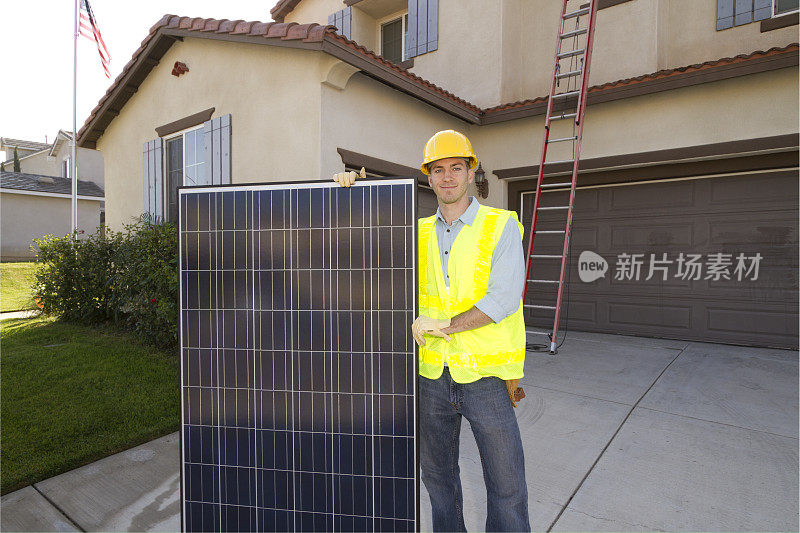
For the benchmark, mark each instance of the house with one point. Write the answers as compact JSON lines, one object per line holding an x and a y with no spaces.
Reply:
{"x":37,"y":200}
{"x":35,"y":205}
{"x":53,"y":159}
{"x":687,"y":199}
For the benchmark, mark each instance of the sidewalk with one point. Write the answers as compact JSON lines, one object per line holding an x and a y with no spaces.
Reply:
{"x":620,"y":434}
{"x":28,"y":313}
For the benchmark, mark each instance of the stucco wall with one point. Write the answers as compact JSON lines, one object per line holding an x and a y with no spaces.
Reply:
{"x":25,"y":217}
{"x":42,"y":164}
{"x":364,"y":30}
{"x":308,"y":11}
{"x":499,"y":51}
{"x":728,"y":110}
{"x":90,"y":163}
{"x":468,"y":62}
{"x":370,"y":118}
{"x":633,"y":38}
{"x":272,"y":94}
{"x":691,"y":35}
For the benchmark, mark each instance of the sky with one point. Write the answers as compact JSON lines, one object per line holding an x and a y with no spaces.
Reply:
{"x":36,"y":92}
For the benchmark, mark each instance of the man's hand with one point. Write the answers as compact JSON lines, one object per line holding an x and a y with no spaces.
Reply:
{"x":346,"y":179}
{"x":515,"y":392}
{"x":424,"y":325}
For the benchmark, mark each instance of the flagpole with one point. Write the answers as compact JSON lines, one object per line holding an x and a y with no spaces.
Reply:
{"x":74,"y":200}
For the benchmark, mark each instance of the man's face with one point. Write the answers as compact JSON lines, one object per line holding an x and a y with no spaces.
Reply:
{"x":449,"y":179}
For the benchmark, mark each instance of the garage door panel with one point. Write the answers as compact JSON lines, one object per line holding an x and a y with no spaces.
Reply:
{"x":580,"y":237}
{"x":745,"y":214}
{"x":766,"y":189}
{"x":623,"y":236}
{"x":778,"y":232}
{"x":780,"y":279}
{"x":735,"y":320}
{"x":659,"y":296}
{"x":590,"y":201}
{"x":656,"y":198}
{"x":639,"y":314}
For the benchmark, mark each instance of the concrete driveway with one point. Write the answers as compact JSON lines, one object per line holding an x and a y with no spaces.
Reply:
{"x":620,"y":434}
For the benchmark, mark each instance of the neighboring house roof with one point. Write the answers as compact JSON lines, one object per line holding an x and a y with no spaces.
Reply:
{"x":47,"y":184}
{"x":7,"y":142}
{"x":324,"y":38}
{"x":61,"y":137}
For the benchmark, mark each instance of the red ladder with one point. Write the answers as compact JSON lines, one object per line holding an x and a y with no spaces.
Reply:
{"x":569,"y":65}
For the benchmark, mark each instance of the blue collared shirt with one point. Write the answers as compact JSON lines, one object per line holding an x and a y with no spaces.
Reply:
{"x":507,"y":274}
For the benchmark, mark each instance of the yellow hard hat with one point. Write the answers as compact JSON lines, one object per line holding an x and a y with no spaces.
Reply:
{"x":447,"y":143}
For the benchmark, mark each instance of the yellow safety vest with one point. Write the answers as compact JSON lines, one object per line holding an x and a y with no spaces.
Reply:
{"x":491,"y":350}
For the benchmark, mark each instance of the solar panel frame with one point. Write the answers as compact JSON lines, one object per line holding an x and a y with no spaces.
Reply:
{"x":411,"y":243}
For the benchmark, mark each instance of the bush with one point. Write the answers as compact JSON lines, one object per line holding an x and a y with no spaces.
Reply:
{"x":127,"y":277}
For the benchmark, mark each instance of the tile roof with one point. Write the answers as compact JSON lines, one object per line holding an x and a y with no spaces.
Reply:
{"x":283,"y":8}
{"x":7,"y":142}
{"x":35,"y":183}
{"x":151,"y":50}
{"x":324,"y":38}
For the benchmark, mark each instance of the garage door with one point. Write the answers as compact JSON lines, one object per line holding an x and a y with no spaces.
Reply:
{"x":708,"y":259}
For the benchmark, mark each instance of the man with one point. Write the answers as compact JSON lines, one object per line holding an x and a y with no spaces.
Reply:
{"x":471,"y":337}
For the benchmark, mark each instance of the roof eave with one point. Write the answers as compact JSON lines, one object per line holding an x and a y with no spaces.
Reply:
{"x":283,"y":8}
{"x":123,"y":89}
{"x":172,"y":28}
{"x":397,"y":80}
{"x":773,"y":59}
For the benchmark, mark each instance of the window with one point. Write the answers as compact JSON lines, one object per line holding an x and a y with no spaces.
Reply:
{"x":783,"y":7}
{"x":732,"y":13}
{"x":196,"y":155}
{"x":393,"y":39}
{"x":66,"y":168}
{"x":184,"y":165}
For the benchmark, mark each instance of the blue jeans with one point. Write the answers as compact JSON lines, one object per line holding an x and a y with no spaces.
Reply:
{"x":485,"y":404}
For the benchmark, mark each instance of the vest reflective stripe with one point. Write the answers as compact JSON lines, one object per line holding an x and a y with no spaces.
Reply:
{"x":491,"y":350}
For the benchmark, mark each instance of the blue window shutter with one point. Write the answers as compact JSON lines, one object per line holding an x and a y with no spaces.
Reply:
{"x":153,"y":179}
{"x":433,"y":25}
{"x":411,"y":41}
{"x":743,"y":12}
{"x":423,"y":27}
{"x":217,"y":148}
{"x":762,"y":9}
{"x":724,"y":14}
{"x":342,"y":19}
{"x":347,"y":18}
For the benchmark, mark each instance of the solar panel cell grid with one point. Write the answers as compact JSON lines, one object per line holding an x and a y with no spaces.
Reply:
{"x":299,"y":375}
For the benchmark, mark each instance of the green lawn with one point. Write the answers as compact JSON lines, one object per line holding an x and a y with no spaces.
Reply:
{"x":72,"y":394}
{"x":15,"y":286}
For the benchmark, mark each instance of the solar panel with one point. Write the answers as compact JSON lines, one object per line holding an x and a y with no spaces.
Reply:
{"x":299,"y":375}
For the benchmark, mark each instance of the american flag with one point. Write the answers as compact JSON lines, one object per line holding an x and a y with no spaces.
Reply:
{"x":89,"y":29}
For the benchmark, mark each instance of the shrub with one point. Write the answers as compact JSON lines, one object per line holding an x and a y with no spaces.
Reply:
{"x":74,"y":277}
{"x":127,"y":277}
